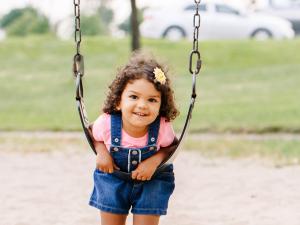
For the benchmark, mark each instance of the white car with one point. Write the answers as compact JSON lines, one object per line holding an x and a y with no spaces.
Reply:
{"x":288,"y":9}
{"x":218,"y":21}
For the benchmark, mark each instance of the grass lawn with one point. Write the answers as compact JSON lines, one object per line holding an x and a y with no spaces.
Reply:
{"x":243,"y":86}
{"x":277,"y":151}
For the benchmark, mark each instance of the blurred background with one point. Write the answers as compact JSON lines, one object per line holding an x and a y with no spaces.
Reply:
{"x":248,"y":83}
{"x":112,"y":17}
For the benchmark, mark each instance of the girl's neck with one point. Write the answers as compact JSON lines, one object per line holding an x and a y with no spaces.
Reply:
{"x":135,"y":132}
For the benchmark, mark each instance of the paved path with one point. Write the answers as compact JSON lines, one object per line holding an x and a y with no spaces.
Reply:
{"x":53,"y":189}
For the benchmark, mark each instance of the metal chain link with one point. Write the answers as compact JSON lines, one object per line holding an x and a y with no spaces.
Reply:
{"x":195,"y":52}
{"x":77,"y":25}
{"x":78,"y":63}
{"x":78,"y":70}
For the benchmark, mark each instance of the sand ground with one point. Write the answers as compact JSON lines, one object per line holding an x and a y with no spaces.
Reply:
{"x":53,"y":188}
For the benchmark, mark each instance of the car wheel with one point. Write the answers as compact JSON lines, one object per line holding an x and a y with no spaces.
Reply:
{"x":174,"y":33}
{"x":261,"y":34}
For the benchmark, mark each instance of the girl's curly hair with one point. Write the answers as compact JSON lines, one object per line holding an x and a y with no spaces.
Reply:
{"x":140,"y":66}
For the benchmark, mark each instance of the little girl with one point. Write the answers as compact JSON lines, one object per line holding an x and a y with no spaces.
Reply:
{"x":133,"y":135}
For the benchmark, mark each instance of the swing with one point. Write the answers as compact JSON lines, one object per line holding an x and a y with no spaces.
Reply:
{"x":78,"y":70}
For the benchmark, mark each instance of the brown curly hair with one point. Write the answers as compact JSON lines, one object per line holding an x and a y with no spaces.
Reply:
{"x":141,"y":65}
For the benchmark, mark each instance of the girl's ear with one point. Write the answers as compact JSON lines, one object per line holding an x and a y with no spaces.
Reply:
{"x":118,"y":108}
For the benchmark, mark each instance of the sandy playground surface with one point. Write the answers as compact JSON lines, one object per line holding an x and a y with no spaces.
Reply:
{"x":53,"y":188}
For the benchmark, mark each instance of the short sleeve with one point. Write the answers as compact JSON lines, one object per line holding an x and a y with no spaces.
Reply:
{"x":166,"y":133}
{"x":100,"y":127}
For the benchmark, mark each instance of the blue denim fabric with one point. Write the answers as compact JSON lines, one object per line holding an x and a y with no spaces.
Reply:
{"x":115,"y":195}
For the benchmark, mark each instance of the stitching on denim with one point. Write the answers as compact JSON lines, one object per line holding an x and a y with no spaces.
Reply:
{"x":159,"y":209}
{"x":149,"y":211}
{"x":108,"y":207}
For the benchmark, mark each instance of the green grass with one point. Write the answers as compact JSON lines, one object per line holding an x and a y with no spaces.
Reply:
{"x":279,"y":152}
{"x":243,"y":86}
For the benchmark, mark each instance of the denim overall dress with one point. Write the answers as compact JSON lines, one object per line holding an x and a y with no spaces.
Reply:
{"x":116,"y":195}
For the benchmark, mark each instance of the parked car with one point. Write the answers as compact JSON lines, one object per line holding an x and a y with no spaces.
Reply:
{"x":288,"y":9}
{"x":218,"y":21}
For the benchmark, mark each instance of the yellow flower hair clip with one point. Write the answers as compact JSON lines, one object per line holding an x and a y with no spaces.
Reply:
{"x":159,"y":75}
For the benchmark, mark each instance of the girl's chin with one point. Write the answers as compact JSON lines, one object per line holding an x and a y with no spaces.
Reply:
{"x":140,"y":118}
{"x":140,"y":121}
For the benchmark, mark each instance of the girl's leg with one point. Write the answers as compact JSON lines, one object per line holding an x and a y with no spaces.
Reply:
{"x":145,"y":219}
{"x":112,"y":219}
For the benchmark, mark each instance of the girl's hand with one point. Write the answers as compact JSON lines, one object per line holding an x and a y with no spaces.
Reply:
{"x":104,"y":161}
{"x":145,"y":169}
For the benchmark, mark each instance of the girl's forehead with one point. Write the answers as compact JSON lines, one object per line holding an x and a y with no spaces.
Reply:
{"x":141,"y":85}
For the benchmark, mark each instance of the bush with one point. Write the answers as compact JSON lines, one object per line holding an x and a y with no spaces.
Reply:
{"x":106,"y":14}
{"x":21,"y":22}
{"x":98,"y":23}
{"x":126,"y":24}
{"x":10,"y":17}
{"x":91,"y":25}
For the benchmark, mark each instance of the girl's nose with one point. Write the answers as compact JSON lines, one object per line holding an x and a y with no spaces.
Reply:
{"x":142,"y":104}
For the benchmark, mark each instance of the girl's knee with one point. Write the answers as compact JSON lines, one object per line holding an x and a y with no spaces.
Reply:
{"x":112,"y":218}
{"x":145,"y":219}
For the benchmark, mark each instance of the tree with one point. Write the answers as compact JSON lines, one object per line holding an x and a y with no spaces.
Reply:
{"x":135,"y":34}
{"x":99,"y":22}
{"x":126,"y":24}
{"x":24,"y":21}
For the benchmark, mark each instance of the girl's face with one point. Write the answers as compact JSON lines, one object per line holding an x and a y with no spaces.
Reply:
{"x":140,"y":105}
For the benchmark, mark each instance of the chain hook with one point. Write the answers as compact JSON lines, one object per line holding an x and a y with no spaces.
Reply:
{"x":198,"y":62}
{"x":195,"y":51}
{"x":78,"y":65}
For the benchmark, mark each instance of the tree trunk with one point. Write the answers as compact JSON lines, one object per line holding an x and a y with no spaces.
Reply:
{"x":135,"y":34}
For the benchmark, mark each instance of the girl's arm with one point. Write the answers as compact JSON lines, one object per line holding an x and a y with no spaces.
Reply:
{"x":104,"y":161}
{"x":146,"y":168}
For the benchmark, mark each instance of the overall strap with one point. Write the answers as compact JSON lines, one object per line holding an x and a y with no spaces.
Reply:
{"x":153,"y":131}
{"x":116,"y":129}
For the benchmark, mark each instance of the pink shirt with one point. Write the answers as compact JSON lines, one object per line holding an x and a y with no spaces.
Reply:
{"x":101,"y":132}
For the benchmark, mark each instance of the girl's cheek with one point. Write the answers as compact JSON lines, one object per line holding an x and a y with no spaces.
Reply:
{"x":157,"y":110}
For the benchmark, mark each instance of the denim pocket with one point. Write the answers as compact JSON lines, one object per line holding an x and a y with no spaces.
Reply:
{"x":97,"y":171}
{"x":147,"y":154}
{"x":121,"y":160}
{"x":167,"y":174}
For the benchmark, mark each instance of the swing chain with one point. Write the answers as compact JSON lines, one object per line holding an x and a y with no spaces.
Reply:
{"x":78,"y":65}
{"x":195,"y":52}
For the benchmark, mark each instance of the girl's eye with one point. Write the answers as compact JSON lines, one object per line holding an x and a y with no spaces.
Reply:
{"x":152,"y":100}
{"x":133,"y":96}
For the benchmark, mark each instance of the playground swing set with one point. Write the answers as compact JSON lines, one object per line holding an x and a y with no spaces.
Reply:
{"x":78,"y":70}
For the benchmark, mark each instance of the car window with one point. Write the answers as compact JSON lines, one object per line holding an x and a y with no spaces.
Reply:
{"x":220,"y":8}
{"x":202,"y":7}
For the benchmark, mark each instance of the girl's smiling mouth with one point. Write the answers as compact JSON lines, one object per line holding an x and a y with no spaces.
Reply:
{"x":140,"y":114}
